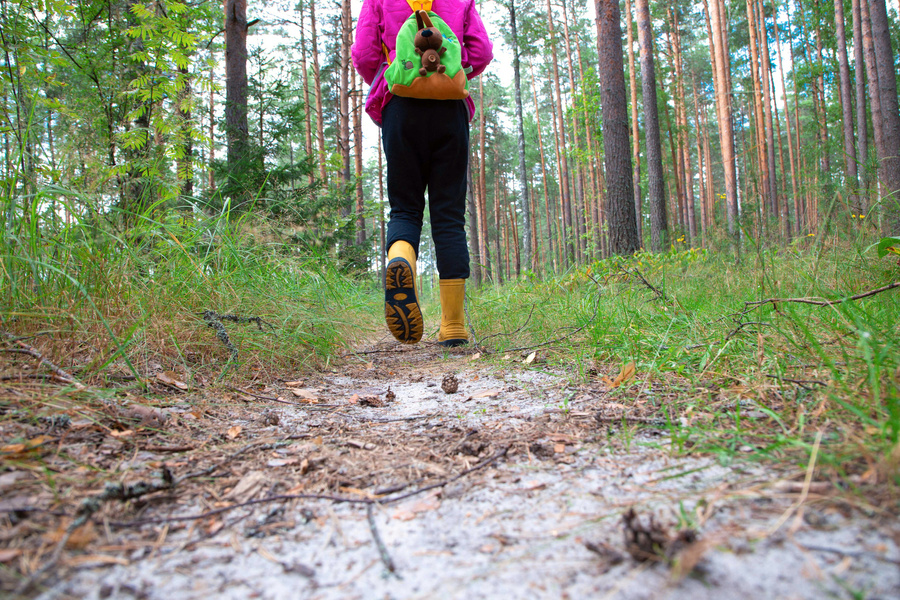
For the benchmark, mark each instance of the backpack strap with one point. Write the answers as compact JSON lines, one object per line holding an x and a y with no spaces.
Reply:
{"x":419,"y":5}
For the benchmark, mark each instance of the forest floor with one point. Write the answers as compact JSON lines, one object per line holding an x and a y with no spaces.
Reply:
{"x":413,"y":472}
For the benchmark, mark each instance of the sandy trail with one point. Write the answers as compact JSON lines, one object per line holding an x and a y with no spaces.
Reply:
{"x":537,"y":512}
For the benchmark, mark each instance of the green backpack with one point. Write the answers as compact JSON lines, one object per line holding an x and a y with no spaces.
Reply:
{"x":428,"y":59}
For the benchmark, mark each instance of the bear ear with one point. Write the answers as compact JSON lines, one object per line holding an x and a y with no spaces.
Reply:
{"x":421,"y":14}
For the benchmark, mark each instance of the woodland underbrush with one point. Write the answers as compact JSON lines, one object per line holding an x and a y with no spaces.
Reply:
{"x":791,"y":354}
{"x":781,"y":356}
{"x":206,"y":296}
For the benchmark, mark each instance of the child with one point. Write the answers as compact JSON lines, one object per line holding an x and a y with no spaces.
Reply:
{"x":426,"y":143}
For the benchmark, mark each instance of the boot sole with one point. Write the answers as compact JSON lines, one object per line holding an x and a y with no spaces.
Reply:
{"x":401,"y":305}
{"x":453,"y":343}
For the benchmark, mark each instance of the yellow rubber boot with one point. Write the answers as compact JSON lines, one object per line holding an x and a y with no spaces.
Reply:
{"x":453,"y":313}
{"x":401,"y":304}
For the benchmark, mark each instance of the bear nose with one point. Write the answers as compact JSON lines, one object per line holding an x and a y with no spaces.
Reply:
{"x":427,"y":33}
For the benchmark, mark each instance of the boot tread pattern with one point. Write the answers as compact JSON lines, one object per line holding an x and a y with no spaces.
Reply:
{"x":401,"y":306}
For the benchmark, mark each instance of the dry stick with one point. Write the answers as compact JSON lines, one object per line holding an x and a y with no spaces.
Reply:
{"x":31,"y":351}
{"x":512,"y":333}
{"x":658,"y":293}
{"x":227,"y":459}
{"x":806,"y":483}
{"x":284,"y":497}
{"x":382,"y":550}
{"x":562,"y":337}
{"x":821,"y":301}
{"x":850,"y":553}
{"x":801,"y":382}
{"x":86,"y":510}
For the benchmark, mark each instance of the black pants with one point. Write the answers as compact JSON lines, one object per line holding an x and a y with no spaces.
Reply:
{"x":426,"y":143}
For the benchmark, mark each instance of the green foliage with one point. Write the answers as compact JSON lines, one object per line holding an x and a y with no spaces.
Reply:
{"x":728,"y":375}
{"x":138,"y":295}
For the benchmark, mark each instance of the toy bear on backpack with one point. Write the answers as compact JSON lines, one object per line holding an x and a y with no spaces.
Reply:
{"x":427,"y":61}
{"x":429,"y":44}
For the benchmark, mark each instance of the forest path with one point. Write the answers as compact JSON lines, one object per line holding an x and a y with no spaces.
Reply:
{"x":513,"y":486}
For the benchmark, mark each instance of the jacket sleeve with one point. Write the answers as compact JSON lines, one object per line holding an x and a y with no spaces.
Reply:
{"x":366,"y":51}
{"x":479,"y":50}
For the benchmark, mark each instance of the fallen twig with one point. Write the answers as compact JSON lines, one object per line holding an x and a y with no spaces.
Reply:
{"x":810,"y":468}
{"x":286,"y":497}
{"x":511,"y":333}
{"x":562,"y":337}
{"x":214,"y":321}
{"x":801,"y":382}
{"x":850,"y":553}
{"x":659,"y":294}
{"x":382,"y":549}
{"x":112,"y":491}
{"x":31,"y":351}
{"x":815,"y":301}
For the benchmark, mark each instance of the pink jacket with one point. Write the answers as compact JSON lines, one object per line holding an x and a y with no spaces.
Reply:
{"x":380,"y":20}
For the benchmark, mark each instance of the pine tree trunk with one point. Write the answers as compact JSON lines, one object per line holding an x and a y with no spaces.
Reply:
{"x":758,"y":123}
{"x":820,"y":88}
{"x":482,"y":188}
{"x":317,"y":80}
{"x":851,"y":181}
{"x":211,"y":178}
{"x":719,"y":30}
{"x":346,"y":25}
{"x":236,"y":128}
{"x":537,"y":116}
{"x":185,"y":163}
{"x":357,"y":160}
{"x":623,"y":237}
{"x":766,"y":72}
{"x":472,"y":221}
{"x":790,"y":137}
{"x":684,"y":135}
{"x":382,"y":207}
{"x":889,"y":153}
{"x":659,"y":228}
{"x":862,"y":137}
{"x":874,"y":86}
{"x":304,"y":82}
{"x":568,"y":235}
{"x":520,"y":124}
{"x":635,"y":126}
{"x":578,"y":212}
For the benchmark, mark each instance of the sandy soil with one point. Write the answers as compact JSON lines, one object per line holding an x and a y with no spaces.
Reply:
{"x":516,"y":485}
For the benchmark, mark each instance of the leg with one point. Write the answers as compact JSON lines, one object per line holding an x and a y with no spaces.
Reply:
{"x":449,"y":155}
{"x":406,"y":172}
{"x":447,"y":206}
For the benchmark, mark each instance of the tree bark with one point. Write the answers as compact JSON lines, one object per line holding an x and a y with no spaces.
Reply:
{"x":344,"y":104}
{"x":623,"y":227}
{"x":317,"y":80}
{"x":874,"y":85}
{"x":851,"y":181}
{"x":889,"y":153}
{"x":520,"y":126}
{"x":561,"y":148}
{"x":236,"y":127}
{"x":766,"y":71}
{"x":787,"y":124}
{"x":659,"y":228}
{"x":635,"y":126}
{"x":719,"y":30}
{"x":357,"y":160}
{"x":862,"y":137}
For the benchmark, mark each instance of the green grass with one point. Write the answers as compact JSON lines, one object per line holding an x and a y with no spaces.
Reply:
{"x":730,"y":379}
{"x":104,"y":299}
